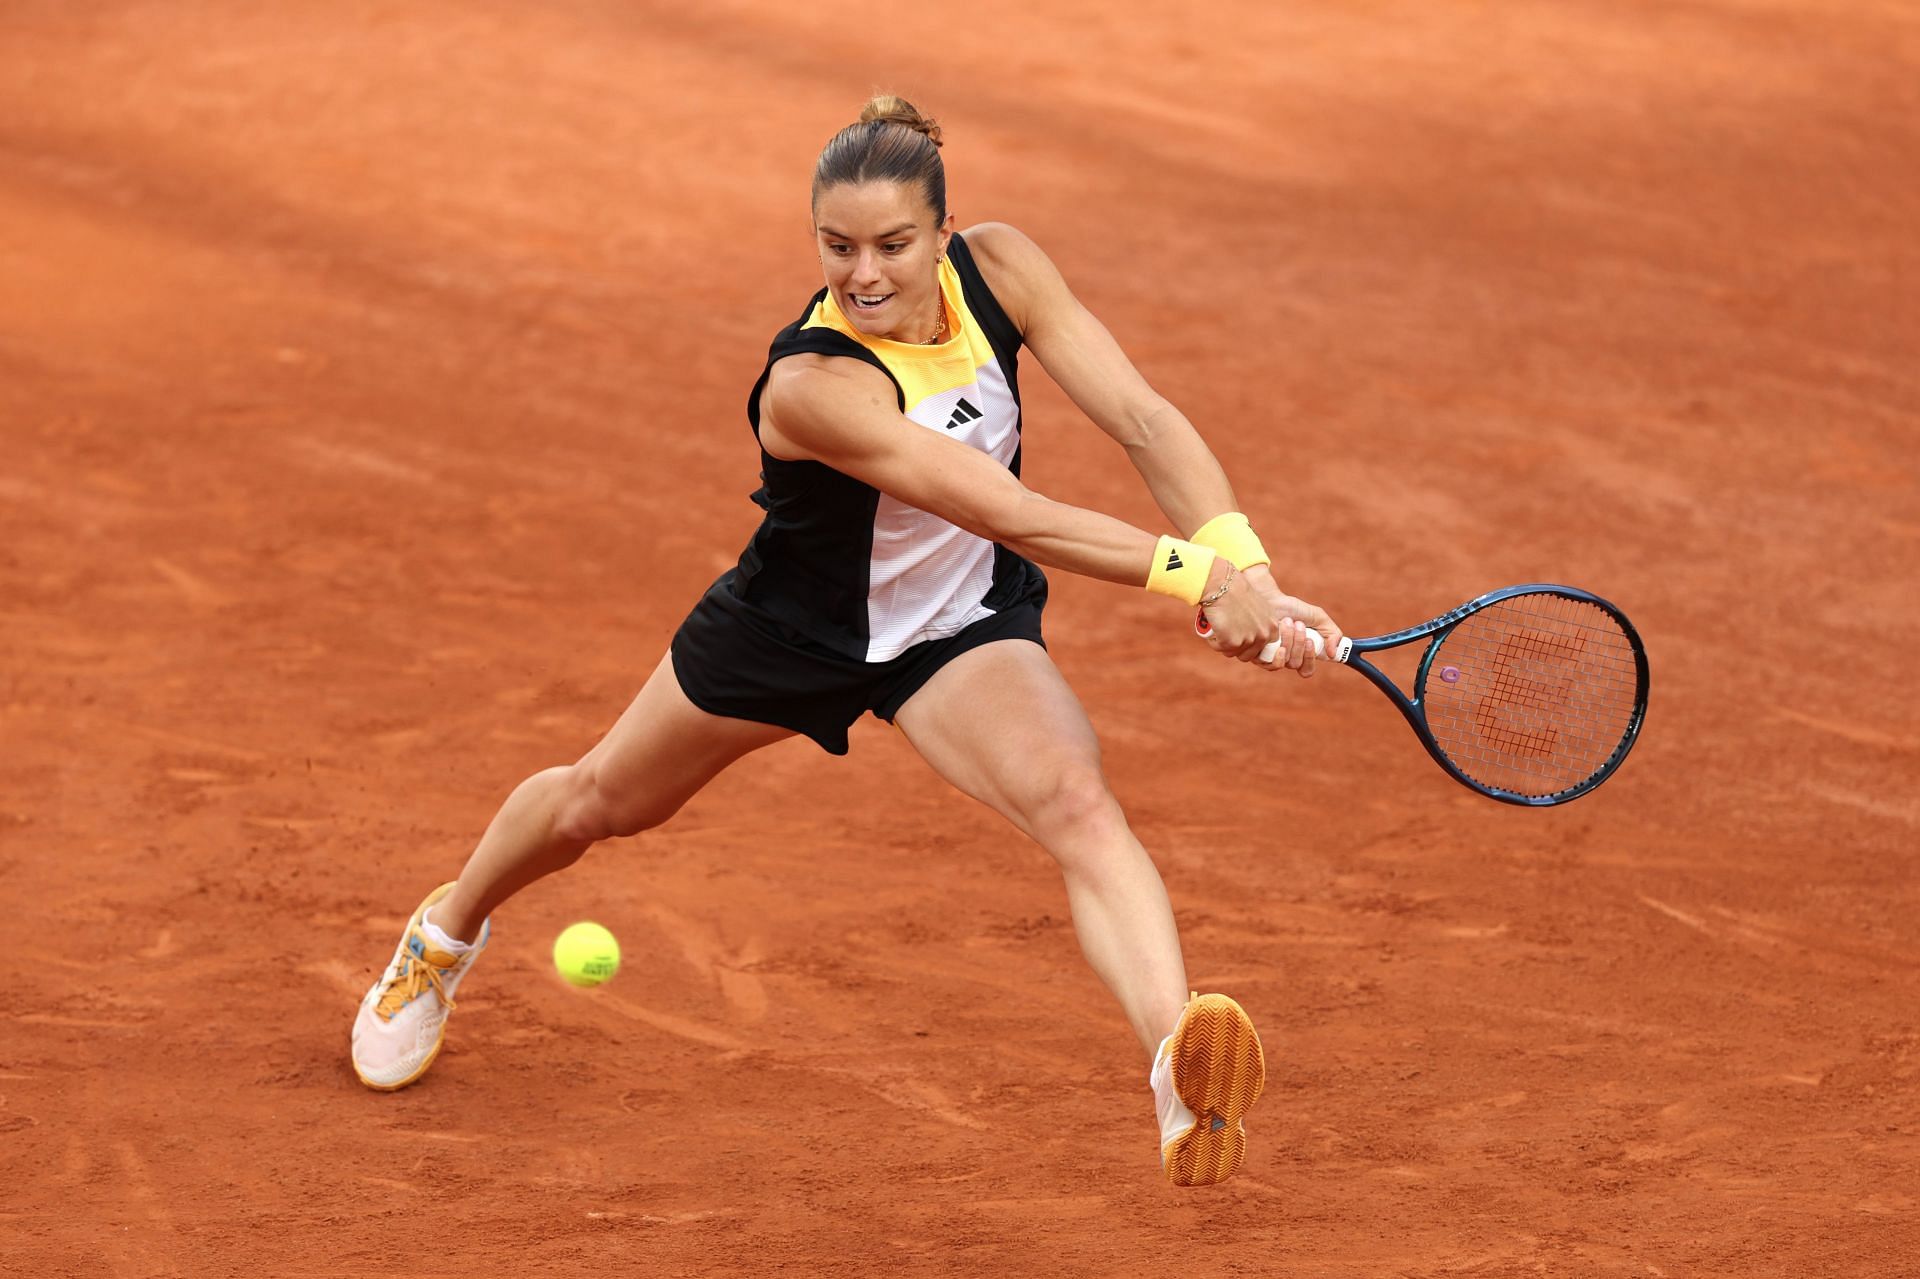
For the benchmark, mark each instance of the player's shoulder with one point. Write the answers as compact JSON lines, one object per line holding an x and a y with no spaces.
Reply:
{"x":807,"y":385}
{"x":819,"y":407}
{"x":1017,"y":270}
{"x":806,"y":372}
{"x":999,"y":246}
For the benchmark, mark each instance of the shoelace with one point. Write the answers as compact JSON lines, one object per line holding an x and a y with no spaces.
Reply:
{"x":416,"y":975}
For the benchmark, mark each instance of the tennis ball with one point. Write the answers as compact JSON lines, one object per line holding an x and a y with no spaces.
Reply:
{"x":586,"y":954}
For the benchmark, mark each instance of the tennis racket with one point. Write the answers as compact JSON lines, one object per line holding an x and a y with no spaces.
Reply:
{"x":1529,"y":695}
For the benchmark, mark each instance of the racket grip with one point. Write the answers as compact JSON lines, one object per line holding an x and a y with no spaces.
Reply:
{"x":1313,"y":636}
{"x":1203,"y":628}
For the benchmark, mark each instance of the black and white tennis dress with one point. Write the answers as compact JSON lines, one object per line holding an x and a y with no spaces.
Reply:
{"x":848,"y":600}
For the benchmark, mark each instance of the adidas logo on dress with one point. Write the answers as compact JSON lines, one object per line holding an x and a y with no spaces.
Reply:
{"x":964,"y":414}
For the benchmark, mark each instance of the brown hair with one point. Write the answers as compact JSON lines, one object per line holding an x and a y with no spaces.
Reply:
{"x":891,"y":142}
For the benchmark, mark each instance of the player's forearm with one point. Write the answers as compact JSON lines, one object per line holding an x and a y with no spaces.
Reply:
{"x":1181,"y":472}
{"x":1076,"y":540}
{"x":984,"y":498}
{"x":987,"y":500}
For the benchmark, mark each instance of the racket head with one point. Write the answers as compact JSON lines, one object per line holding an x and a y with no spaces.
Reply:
{"x":1530,"y":695}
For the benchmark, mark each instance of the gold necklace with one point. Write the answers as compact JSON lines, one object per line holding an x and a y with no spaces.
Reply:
{"x":939,"y":327}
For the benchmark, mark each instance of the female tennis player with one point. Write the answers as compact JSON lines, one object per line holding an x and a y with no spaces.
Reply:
{"x":894,"y":572}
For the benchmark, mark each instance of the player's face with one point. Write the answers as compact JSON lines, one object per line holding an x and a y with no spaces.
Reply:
{"x":879,"y":243}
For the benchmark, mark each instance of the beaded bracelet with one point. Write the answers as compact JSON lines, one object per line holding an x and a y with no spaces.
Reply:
{"x":1225,"y":585}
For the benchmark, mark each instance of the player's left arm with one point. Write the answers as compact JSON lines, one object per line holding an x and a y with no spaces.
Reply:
{"x":1078,"y":352}
{"x":1075,"y":348}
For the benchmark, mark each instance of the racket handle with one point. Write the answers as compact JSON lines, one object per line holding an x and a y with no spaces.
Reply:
{"x":1313,"y":637}
{"x":1203,"y":628}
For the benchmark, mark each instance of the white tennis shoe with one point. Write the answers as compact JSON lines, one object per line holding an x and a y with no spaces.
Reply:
{"x":403,"y":1020}
{"x":1206,"y":1076}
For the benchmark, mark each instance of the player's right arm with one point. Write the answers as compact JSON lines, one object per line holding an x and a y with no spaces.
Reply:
{"x":844,"y":414}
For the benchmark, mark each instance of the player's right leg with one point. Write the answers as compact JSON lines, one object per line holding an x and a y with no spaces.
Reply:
{"x":657,"y":756}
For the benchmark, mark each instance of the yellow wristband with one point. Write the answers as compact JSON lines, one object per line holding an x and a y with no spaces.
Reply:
{"x":1232,"y":536}
{"x":1180,"y":569}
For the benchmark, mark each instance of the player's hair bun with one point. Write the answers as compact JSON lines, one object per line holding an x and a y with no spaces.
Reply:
{"x":894,"y":110}
{"x":890,"y":142}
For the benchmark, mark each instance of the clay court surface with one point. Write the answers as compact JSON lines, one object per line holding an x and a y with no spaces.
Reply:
{"x":371,"y":386}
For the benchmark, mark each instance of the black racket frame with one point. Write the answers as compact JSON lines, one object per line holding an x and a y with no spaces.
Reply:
{"x":1413,"y":709}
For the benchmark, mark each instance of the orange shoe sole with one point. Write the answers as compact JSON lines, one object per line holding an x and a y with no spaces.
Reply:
{"x":1219,"y":1070}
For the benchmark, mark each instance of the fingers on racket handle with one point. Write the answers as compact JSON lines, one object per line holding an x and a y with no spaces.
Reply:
{"x":1203,"y":628}
{"x":1313,"y":637}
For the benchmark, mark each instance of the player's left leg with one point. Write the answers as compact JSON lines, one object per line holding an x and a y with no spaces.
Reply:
{"x":1001,"y":725}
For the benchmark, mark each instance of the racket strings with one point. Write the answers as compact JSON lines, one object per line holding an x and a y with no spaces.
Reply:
{"x":1534,"y":694}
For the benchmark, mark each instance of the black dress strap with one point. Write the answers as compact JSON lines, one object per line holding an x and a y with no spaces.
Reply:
{"x":987,"y":311}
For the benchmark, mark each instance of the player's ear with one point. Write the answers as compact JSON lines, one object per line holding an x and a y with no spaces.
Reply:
{"x":946,"y":233}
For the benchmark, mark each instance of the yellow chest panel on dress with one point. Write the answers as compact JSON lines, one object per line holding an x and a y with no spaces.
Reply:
{"x":923,"y":372}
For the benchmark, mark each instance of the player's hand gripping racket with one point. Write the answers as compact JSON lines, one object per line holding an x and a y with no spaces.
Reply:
{"x":1530,"y":694}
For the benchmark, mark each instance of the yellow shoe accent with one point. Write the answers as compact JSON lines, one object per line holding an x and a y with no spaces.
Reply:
{"x":1219,"y":1070}
{"x":421,"y":966}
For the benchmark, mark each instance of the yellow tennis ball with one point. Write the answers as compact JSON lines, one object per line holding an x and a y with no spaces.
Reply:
{"x":586,"y":954}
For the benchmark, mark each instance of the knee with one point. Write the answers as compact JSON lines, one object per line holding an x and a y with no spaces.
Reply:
{"x":588,"y":811}
{"x":1073,"y":813}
